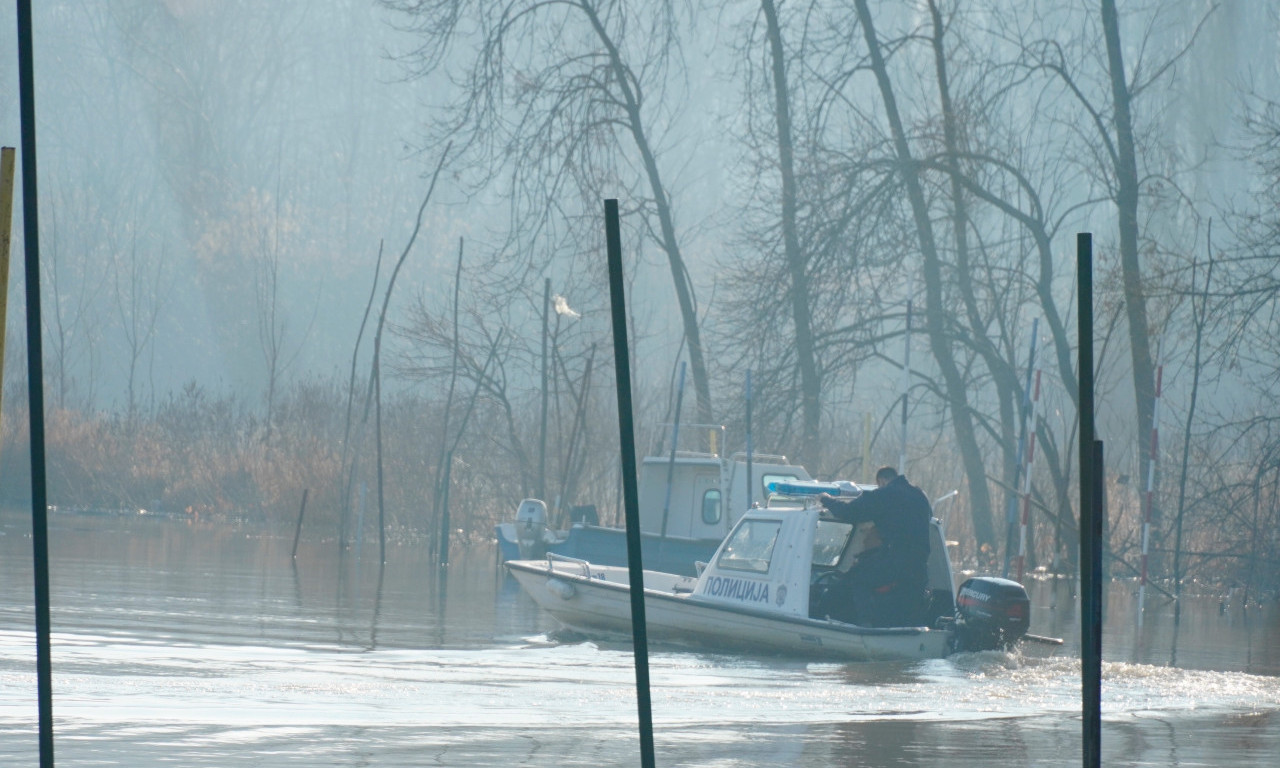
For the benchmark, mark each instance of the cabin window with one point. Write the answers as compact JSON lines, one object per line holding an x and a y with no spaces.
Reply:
{"x":750,"y":546}
{"x":774,"y":478}
{"x":829,"y":541}
{"x":711,"y":506}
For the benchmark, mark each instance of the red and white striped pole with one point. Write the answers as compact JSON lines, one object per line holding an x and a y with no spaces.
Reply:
{"x":1149,"y":499}
{"x":1026,"y":479}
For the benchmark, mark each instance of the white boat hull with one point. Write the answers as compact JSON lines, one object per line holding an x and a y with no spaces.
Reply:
{"x":596,"y":600}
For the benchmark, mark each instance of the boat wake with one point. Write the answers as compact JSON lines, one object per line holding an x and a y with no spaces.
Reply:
{"x":690,"y":686}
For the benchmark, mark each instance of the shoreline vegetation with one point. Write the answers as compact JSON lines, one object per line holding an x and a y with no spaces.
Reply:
{"x":207,"y":459}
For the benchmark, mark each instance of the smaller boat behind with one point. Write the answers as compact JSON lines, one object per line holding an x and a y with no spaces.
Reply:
{"x":767,"y":590}
{"x":689,"y":499}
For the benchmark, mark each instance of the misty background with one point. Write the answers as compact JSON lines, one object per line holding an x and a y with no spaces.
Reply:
{"x":228,"y":188}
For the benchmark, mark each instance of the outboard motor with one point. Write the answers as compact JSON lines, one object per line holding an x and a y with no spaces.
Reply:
{"x":991,"y":614}
{"x":531,"y":529}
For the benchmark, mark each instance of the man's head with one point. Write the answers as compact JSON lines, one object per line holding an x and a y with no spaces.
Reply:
{"x":885,"y":475}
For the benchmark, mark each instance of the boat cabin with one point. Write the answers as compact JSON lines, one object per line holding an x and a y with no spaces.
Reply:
{"x":689,"y":499}
{"x":708,"y":493}
{"x":786,"y":558}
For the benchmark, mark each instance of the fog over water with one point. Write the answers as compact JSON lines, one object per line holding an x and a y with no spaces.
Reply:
{"x":303,"y":126}
{"x":347,"y":258}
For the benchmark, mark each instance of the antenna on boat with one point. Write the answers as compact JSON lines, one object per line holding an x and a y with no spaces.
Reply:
{"x":945,"y":497}
{"x":866,"y":446}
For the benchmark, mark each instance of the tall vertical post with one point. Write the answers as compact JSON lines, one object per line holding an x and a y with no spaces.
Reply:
{"x":297,"y":529}
{"x":1011,"y":515}
{"x":630,"y":491}
{"x":671,"y":463}
{"x":377,"y":432}
{"x":1149,"y":498}
{"x":1029,"y":464}
{"x":1090,"y":519}
{"x":750,"y":492}
{"x":8,"y":161}
{"x":35,"y":383}
{"x":866,"y":447}
{"x":1027,"y":485}
{"x":542,"y":434}
{"x":360,"y":506}
{"x":445,"y":526}
{"x":906,"y":389}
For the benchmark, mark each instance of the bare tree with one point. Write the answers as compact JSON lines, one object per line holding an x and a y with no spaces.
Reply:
{"x":1118,"y":154}
{"x":1239,"y":317}
{"x":955,"y":389}
{"x":561,"y":98}
{"x":72,"y":324}
{"x":272,"y":324}
{"x":980,"y":320}
{"x":812,"y":274}
{"x":449,"y":352}
{"x":796,"y":259}
{"x":1199,"y":303}
{"x":141,"y":289}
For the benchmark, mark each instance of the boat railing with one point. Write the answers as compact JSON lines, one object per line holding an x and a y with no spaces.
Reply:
{"x":553,"y":558}
{"x":788,"y":501}
{"x":695,"y":439}
{"x":684,"y":454}
{"x":761,"y":458}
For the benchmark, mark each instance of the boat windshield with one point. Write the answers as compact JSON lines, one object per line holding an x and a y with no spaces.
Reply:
{"x":750,"y":547}
{"x":775,"y":477}
{"x":829,"y":541}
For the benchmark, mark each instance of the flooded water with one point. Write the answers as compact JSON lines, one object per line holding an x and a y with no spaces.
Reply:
{"x":206,"y":646}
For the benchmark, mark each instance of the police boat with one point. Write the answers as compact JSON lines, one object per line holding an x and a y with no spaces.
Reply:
{"x":688,"y":502}
{"x":768,"y":589}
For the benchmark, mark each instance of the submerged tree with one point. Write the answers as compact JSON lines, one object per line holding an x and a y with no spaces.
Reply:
{"x":954,"y":390}
{"x":813,"y":280}
{"x":796,"y":258}
{"x":1132,"y":168}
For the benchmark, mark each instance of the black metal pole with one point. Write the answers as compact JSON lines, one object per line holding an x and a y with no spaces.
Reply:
{"x":35,"y":384}
{"x":1090,"y":519}
{"x":630,"y":491}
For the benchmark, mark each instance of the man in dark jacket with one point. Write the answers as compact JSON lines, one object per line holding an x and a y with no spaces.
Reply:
{"x":889,"y":584}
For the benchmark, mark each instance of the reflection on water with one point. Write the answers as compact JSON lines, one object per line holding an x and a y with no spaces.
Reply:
{"x":208,"y":646}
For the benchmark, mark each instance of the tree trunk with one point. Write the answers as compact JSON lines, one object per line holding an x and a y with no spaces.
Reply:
{"x":939,"y":342}
{"x":1003,"y":375}
{"x":679,"y":272}
{"x":1199,"y":317}
{"x":1135,"y":302}
{"x":797,"y":261}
